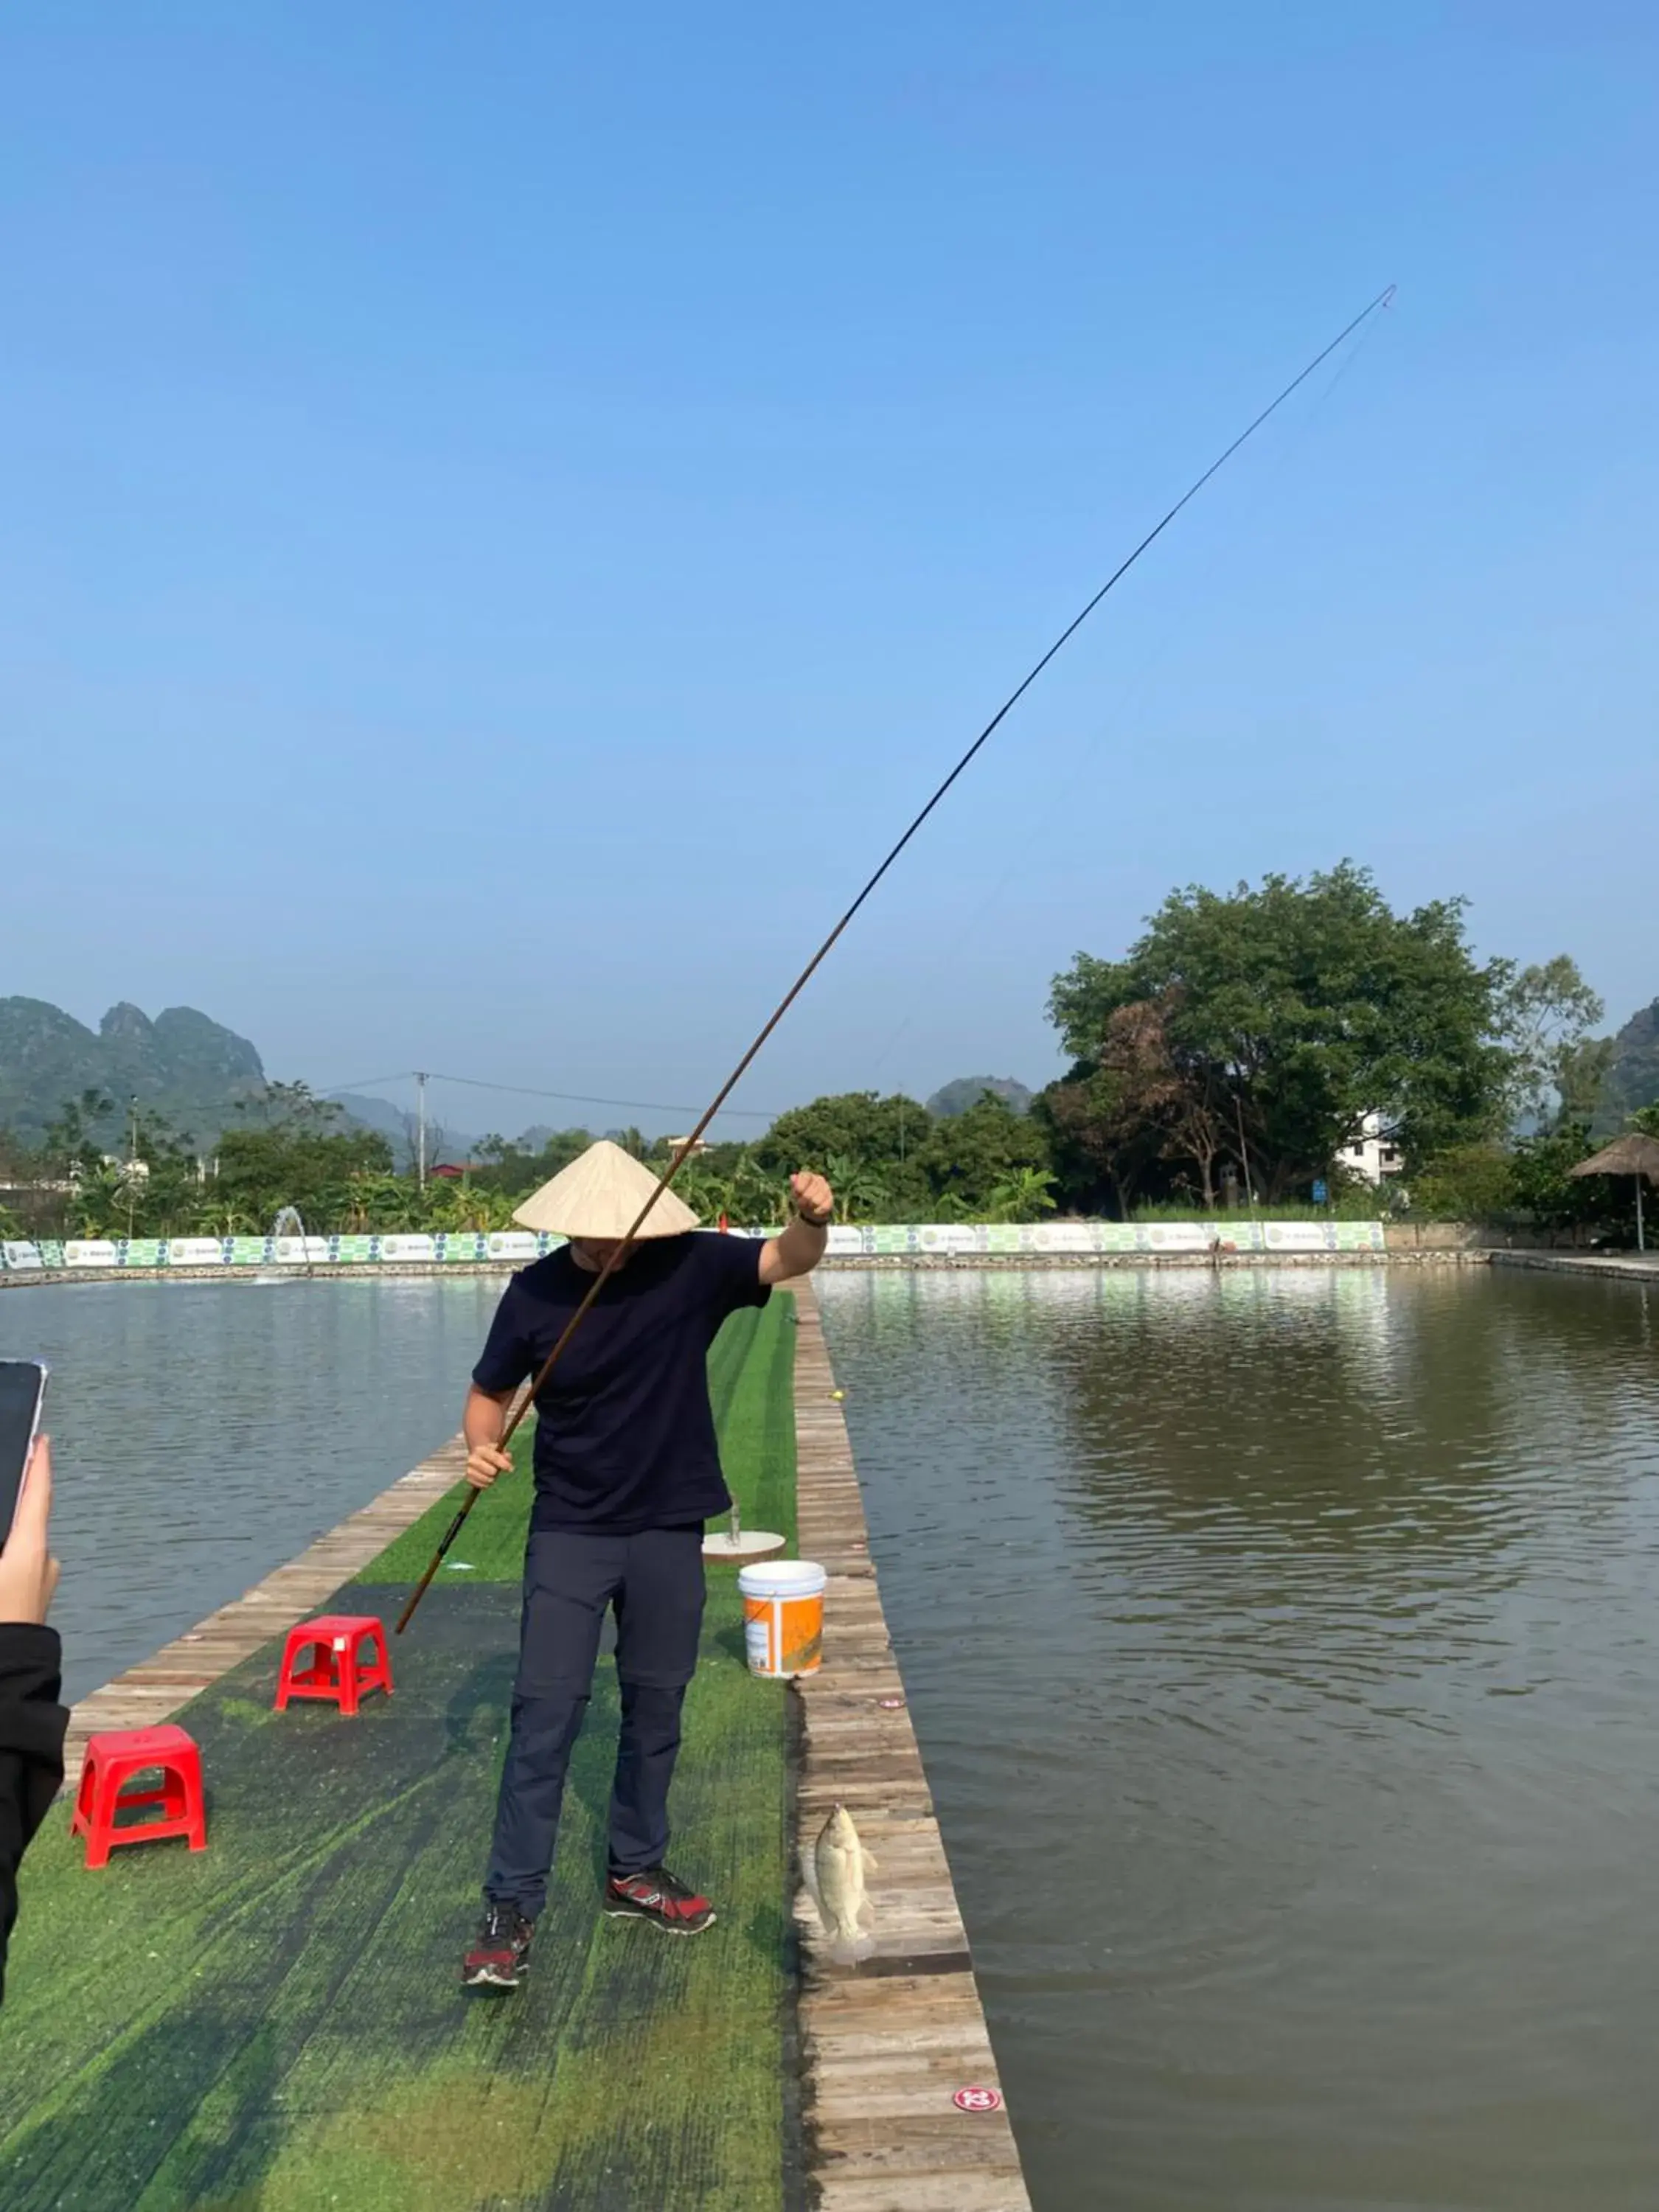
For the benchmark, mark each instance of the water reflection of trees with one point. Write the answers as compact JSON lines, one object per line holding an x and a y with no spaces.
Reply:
{"x":1348,"y":1410}
{"x":1335,"y":1410}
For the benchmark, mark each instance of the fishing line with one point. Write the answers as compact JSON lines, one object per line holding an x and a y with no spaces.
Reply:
{"x":1129,"y":703}
{"x":619,"y":1251}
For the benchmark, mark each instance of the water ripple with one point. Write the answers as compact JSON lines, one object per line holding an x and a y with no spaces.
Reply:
{"x":202,"y":1433}
{"x":1282,"y":1646}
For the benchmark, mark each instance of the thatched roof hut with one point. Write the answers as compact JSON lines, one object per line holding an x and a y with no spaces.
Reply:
{"x":1636,"y":1156}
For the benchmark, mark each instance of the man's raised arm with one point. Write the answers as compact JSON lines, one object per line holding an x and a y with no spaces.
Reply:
{"x":797,"y":1249}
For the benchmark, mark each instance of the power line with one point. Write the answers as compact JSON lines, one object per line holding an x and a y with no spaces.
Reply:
{"x":523,"y":1091}
{"x":403,"y":1075}
{"x":583,"y":1098}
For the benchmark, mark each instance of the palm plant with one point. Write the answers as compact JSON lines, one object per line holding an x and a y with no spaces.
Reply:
{"x":1024,"y":1194}
{"x":388,"y":1203}
{"x":756,"y":1201}
{"x":708,"y":1195}
{"x":464,"y":1207}
{"x":861,"y":1192}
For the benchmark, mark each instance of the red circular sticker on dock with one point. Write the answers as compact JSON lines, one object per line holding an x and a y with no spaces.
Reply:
{"x":976,"y":2101}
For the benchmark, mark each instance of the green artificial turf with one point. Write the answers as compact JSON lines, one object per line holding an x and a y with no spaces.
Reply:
{"x":275,"y":2024}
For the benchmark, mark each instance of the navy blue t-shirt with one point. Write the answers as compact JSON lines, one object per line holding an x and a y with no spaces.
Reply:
{"x":624,"y":1431}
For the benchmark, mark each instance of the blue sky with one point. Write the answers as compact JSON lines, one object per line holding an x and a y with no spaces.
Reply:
{"x":507,"y":510}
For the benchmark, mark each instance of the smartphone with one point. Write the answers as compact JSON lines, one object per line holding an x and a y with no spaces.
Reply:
{"x":22,"y":1389}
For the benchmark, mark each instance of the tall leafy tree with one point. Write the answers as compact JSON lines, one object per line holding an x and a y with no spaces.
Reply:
{"x":975,"y":1155}
{"x":1546,"y":1013}
{"x":506,"y":1165}
{"x":1025,"y":1194}
{"x":292,"y":1149}
{"x":887,"y":1136}
{"x":1292,"y":1010}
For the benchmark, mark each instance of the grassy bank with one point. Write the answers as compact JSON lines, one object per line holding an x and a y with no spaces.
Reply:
{"x":275,"y":2024}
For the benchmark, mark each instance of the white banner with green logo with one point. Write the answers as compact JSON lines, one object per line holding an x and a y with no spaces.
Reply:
{"x":927,"y":1240}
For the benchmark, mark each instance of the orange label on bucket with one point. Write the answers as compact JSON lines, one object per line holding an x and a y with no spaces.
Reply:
{"x":784,"y":1635}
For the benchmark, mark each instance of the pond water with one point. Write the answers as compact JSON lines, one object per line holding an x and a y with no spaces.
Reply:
{"x":1284,"y":1648}
{"x":202,"y":1433}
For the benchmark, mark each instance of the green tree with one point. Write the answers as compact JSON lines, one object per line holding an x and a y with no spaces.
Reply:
{"x":71,"y":1141}
{"x":860,"y":1188}
{"x":290,"y":1149}
{"x":979,"y":1152}
{"x":376,"y":1199}
{"x":1581,"y":1072}
{"x":1160,"y":1100}
{"x":458,"y":1204}
{"x":1545,"y":1017}
{"x":154,"y":1187}
{"x":889,"y":1136}
{"x":1106,"y":1153}
{"x":1299,"y":1007}
{"x":955,"y":1096}
{"x":33,"y":1189}
{"x":291,"y":1106}
{"x":1469,"y":1182}
{"x":504,"y":1165}
{"x":704,"y":1189}
{"x":1026,"y":1196}
{"x":1545,"y":1189}
{"x":759,"y":1201}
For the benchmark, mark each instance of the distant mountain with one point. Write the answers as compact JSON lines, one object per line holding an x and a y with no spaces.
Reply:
{"x":957,"y":1097}
{"x":180,"y":1065}
{"x":1632,"y":1080}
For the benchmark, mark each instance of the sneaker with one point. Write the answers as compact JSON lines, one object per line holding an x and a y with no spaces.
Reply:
{"x":659,"y":1897}
{"x":499,"y":1957}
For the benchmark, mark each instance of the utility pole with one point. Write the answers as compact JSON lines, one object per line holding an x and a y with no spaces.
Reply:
{"x":419,"y":1129}
{"x":132,"y":1162}
{"x":1244,"y":1155}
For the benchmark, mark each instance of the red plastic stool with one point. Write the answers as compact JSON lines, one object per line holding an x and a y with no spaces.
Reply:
{"x":111,"y":1763}
{"x":338,"y":1672}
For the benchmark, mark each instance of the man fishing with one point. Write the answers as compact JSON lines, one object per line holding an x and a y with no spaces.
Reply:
{"x":627,"y":1471}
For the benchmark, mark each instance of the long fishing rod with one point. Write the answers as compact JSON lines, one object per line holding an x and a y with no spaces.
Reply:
{"x":620,"y":1251}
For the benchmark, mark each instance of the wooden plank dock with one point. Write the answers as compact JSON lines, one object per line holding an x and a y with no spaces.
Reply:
{"x":885,"y":2044}
{"x":156,"y":1688}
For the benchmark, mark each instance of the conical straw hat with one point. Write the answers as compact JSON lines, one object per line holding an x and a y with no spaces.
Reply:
{"x":600,"y":1194}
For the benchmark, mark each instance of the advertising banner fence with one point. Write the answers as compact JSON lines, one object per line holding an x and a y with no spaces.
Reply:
{"x":876,"y":1240}
{"x":1228,"y":1234}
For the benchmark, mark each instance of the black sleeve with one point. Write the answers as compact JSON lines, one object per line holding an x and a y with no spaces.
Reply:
{"x":507,"y":1356}
{"x":32,"y":1725}
{"x":731,"y":1269}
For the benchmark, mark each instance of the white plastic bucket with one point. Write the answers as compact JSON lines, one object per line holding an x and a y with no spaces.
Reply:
{"x":783,"y":1616}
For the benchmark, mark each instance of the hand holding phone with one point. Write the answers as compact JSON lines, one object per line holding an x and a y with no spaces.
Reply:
{"x":29,"y":1572}
{"x":22,"y":1392}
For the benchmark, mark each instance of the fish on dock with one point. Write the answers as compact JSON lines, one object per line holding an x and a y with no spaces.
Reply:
{"x":834,"y":1882}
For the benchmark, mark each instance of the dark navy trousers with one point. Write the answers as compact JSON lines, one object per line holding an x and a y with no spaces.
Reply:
{"x":654,"y":1583}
